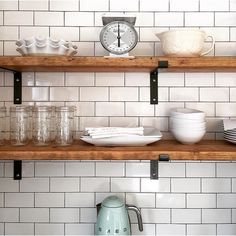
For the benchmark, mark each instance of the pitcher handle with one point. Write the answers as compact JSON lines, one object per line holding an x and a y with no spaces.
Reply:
{"x":212,"y":45}
{"x":138,"y":213}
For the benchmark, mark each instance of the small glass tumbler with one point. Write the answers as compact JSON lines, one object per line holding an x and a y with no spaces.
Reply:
{"x":2,"y":124}
{"x":19,"y":125}
{"x":64,"y":125}
{"x":41,"y":123}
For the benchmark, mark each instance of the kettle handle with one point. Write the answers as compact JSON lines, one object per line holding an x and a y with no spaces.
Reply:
{"x":138,"y":213}
{"x":212,"y":45}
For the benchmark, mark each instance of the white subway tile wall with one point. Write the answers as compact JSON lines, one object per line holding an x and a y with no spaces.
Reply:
{"x":60,"y":197}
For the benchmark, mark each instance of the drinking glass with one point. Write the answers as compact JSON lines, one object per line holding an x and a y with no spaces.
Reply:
{"x":64,"y":125}
{"x":2,"y":124}
{"x":41,"y":125}
{"x":19,"y":125}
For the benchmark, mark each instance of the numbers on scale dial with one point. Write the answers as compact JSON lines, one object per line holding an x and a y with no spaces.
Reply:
{"x":119,"y":37}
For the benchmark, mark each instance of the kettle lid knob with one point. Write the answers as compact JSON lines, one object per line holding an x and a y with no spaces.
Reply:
{"x":112,"y":202}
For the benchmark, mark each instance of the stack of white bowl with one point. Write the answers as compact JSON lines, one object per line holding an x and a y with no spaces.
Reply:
{"x":41,"y":46}
{"x":187,"y":125}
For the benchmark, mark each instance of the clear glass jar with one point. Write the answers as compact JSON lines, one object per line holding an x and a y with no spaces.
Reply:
{"x":30,"y":133}
{"x":19,"y":125}
{"x":53,"y":123}
{"x":64,"y":125}
{"x":2,"y":124}
{"x":41,"y":123}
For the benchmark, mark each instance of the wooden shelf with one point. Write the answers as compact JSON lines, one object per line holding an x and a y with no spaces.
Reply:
{"x":205,"y":150}
{"x":101,"y":64}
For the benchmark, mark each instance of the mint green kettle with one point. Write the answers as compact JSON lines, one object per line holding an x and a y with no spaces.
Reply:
{"x":113,"y":218}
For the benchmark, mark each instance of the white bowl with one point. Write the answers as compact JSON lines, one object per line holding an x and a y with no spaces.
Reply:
{"x":189,"y":117}
{"x":179,"y":127}
{"x":184,"y":126}
{"x":184,"y":42}
{"x":188,"y":137}
{"x":37,"y":46}
{"x":183,"y":130}
{"x":186,"y":121}
{"x":187,"y":113}
{"x":187,"y":129}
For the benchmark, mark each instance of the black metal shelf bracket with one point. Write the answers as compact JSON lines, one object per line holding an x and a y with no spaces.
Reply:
{"x":154,"y":82}
{"x":17,"y":96}
{"x":17,"y":170}
{"x":17,"y":87}
{"x":154,"y":87}
{"x":154,"y":165}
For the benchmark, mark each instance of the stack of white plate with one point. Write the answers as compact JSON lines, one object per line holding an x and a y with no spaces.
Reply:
{"x":40,"y":46}
{"x":230,"y":130}
{"x":187,"y":125}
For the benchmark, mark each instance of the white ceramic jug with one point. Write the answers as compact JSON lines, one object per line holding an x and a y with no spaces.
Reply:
{"x":184,"y":42}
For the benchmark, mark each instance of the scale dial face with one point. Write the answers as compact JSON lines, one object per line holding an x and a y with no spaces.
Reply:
{"x":118,"y":37}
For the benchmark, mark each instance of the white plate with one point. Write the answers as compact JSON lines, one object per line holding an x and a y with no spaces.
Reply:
{"x":231,"y":141}
{"x":151,"y":135}
{"x":230,"y":133}
{"x":230,"y":136}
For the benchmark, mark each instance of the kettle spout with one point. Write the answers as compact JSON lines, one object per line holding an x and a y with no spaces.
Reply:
{"x":99,"y":205}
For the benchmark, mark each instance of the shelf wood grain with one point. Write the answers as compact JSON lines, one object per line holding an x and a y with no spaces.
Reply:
{"x":101,"y":64}
{"x":79,"y":64}
{"x":205,"y":150}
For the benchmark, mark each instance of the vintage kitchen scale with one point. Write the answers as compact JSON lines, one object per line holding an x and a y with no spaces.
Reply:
{"x":118,"y":35}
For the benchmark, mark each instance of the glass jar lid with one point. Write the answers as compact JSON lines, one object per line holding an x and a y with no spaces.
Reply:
{"x":20,"y":109}
{"x":42,"y":109}
{"x":66,"y":109}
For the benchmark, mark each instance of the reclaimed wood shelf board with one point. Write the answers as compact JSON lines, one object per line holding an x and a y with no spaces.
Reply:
{"x":205,"y":150}
{"x":102,"y":64}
